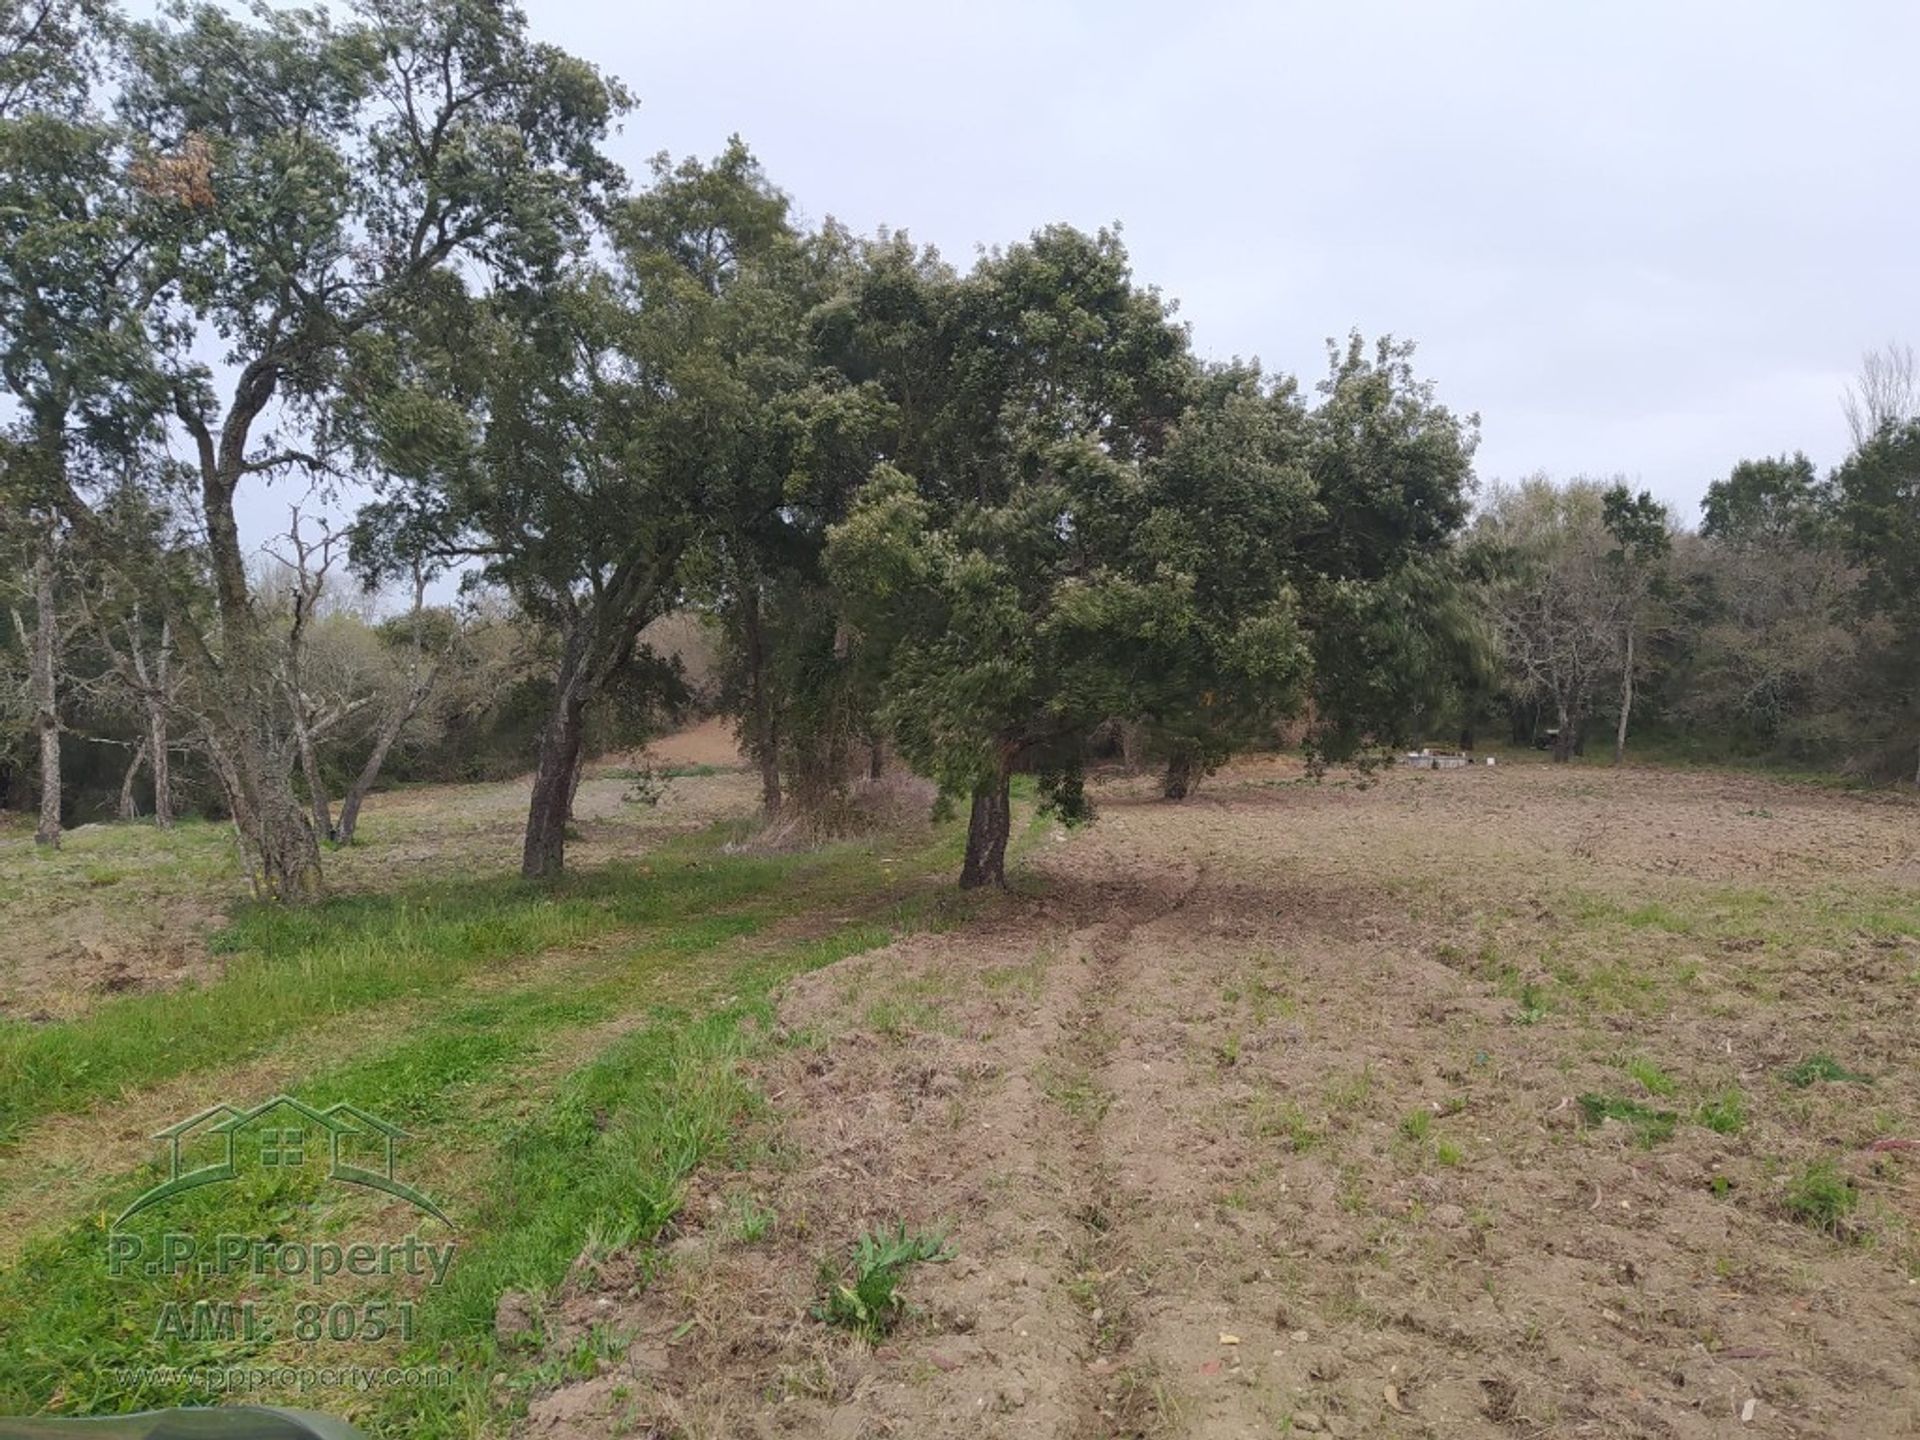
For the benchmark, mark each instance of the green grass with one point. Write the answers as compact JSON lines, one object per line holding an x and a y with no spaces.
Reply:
{"x":1822,"y":1068}
{"x":1724,"y":1114}
{"x":1820,"y":1196}
{"x":1648,"y":1126}
{"x":1652,"y":1078}
{"x":291,"y":969}
{"x":541,"y":1157}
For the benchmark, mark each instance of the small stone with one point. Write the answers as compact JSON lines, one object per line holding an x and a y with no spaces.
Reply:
{"x":1307,"y":1421}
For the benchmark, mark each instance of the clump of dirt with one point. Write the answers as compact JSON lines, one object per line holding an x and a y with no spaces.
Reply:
{"x":1264,"y":1111}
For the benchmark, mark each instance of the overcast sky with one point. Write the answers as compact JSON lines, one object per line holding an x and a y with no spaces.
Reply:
{"x":1644,"y":238}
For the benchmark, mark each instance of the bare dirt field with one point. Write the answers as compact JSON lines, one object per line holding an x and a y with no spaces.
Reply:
{"x":1518,"y":1102}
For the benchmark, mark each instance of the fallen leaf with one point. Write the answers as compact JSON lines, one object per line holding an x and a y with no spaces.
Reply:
{"x":1211,"y":1367}
{"x":1226,"y":1339}
{"x":1392,"y":1393}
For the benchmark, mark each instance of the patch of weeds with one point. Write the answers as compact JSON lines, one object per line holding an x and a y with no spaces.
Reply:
{"x":598,"y":1348}
{"x":1725,"y":1113}
{"x":1074,"y":1090}
{"x":1820,"y":1196}
{"x":1533,"y":1005}
{"x":1821,"y":1067}
{"x":1448,"y":1153}
{"x":1417,"y":1124}
{"x":1656,"y":916}
{"x":749,"y":1220}
{"x":1350,"y":1092}
{"x":1652,"y":1078}
{"x":1649,"y":1126}
{"x":1025,"y":980}
{"x":863,"y":1295}
{"x":1284,"y":1120}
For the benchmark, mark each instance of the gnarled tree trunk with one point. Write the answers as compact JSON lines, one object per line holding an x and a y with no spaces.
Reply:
{"x":544,"y":852}
{"x":1180,"y":776}
{"x":310,"y":768}
{"x":987,"y":829}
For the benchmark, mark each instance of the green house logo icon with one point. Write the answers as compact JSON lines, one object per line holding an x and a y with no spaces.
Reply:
{"x":347,"y":1143}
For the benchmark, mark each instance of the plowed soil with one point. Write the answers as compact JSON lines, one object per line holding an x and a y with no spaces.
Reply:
{"x":1462,"y":1104}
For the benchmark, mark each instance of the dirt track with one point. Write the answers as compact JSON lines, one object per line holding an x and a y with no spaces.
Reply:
{"x":1168,"y":1105}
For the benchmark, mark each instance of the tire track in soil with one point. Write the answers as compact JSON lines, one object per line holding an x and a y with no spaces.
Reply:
{"x":1124,"y":1395}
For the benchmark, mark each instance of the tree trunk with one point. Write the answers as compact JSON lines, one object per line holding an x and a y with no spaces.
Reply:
{"x":987,"y":830}
{"x":421,"y":677}
{"x":127,"y":810}
{"x":279,"y":838}
{"x":283,"y":846}
{"x":383,"y":741}
{"x":248,"y":715}
{"x":764,"y":725}
{"x":545,"y":852}
{"x":46,"y":695}
{"x":1180,"y":775}
{"x":876,"y":760}
{"x":157,"y":762}
{"x":357,"y":792}
{"x":1563,"y":737}
{"x":1626,"y":704}
{"x":316,"y":785}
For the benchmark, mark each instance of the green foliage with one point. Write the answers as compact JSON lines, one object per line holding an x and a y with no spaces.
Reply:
{"x":1724,"y":1114}
{"x":1822,"y":1068}
{"x":1877,"y":496}
{"x":1652,"y":1078}
{"x":1765,"y":501}
{"x":1649,"y":1126}
{"x":863,"y":1294}
{"x":1818,"y":1194}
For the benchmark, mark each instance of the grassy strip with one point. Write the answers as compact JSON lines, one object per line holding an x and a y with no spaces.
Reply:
{"x":293,"y":968}
{"x":601,"y":1164}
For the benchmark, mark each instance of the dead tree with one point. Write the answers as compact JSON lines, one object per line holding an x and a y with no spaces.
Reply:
{"x":1887,"y":392}
{"x":312,"y":716}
